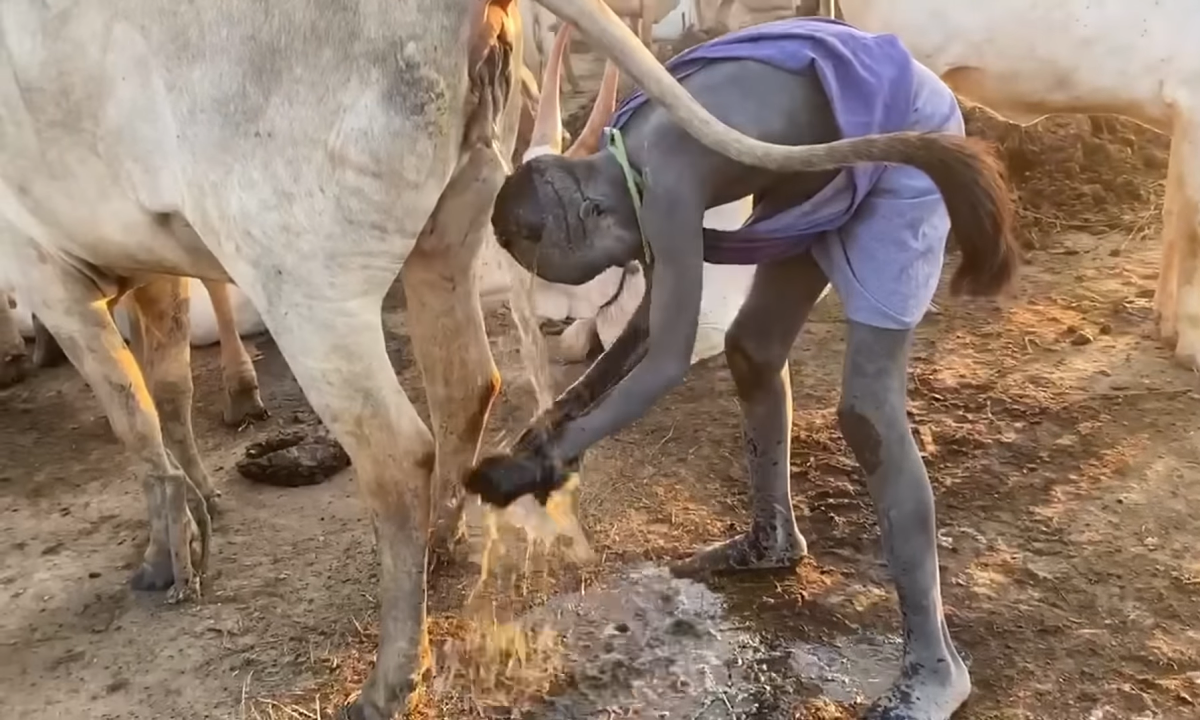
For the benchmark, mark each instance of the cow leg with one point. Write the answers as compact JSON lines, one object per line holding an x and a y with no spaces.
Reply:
{"x":1177,"y":301}
{"x":74,"y":309}
{"x":872,"y":416}
{"x":14,"y":359}
{"x":756,"y":348}
{"x":242,"y":400}
{"x":46,"y":350}
{"x":163,"y":332}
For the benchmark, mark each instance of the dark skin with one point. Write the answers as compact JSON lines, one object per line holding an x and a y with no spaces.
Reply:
{"x":568,"y":220}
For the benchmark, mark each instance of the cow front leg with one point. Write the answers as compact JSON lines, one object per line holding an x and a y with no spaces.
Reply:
{"x":242,"y":400}
{"x":163,"y":331}
{"x":756,"y":349}
{"x":1177,"y":300}
{"x":933,"y":680}
{"x":46,"y":350}
{"x":72,"y":307}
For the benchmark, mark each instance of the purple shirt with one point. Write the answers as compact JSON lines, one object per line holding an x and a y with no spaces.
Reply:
{"x":869,"y":81}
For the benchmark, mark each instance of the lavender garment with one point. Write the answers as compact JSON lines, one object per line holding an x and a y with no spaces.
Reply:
{"x":878,"y":232}
{"x":868,"y":79}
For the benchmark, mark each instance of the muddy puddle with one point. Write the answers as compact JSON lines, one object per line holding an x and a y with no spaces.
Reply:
{"x":647,"y":645}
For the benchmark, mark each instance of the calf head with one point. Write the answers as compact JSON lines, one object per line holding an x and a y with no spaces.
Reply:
{"x":567,"y":217}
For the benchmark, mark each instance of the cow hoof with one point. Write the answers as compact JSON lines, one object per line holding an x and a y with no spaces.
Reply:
{"x":149,"y":578}
{"x":924,"y":694}
{"x":244,"y":405}
{"x":13,"y":369}
{"x":184,"y":592}
{"x":748,"y":552}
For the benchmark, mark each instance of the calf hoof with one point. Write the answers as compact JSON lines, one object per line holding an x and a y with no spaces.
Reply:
{"x":924,"y":694}
{"x":243,"y":405}
{"x":749,"y":552}
{"x":13,"y":369}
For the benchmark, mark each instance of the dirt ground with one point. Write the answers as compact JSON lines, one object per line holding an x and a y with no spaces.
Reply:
{"x":1057,"y":433}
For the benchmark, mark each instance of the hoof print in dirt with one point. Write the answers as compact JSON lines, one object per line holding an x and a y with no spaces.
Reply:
{"x":293,"y":458}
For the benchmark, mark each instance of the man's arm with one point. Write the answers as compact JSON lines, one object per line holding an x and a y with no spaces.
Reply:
{"x":673,"y":226}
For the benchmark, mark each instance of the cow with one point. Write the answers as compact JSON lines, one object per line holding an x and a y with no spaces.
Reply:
{"x":1029,"y":59}
{"x":308,"y":153}
{"x":877,"y":234}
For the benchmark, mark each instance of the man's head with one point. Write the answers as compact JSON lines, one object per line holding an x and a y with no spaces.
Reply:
{"x":567,"y":216}
{"x":567,"y":219}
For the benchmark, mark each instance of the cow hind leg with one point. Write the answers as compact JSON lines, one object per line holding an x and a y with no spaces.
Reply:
{"x":242,"y":400}
{"x":756,"y":348}
{"x":1177,"y":301}
{"x":74,"y":309}
{"x":163,"y":349}
{"x":337,"y":353}
{"x":445,"y":325}
{"x":933,"y":680}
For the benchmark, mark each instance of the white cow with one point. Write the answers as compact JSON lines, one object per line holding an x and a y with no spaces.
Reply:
{"x":313,"y":152}
{"x":1027,"y":59}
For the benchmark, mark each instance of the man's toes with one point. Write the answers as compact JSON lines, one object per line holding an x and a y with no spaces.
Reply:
{"x":243,"y":405}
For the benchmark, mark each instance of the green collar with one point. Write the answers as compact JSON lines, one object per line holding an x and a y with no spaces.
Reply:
{"x":633,"y":181}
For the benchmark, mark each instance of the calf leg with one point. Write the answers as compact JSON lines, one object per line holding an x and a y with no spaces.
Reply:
{"x":242,"y":401}
{"x":756,"y":348}
{"x":14,"y":360}
{"x":165,"y":355}
{"x":1177,"y":300}
{"x":74,"y":309}
{"x":933,"y":680}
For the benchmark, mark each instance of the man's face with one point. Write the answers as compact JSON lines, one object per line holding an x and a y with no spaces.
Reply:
{"x":567,"y":220}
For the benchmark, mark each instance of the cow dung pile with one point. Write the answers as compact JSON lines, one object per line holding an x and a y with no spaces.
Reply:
{"x":1094,"y":173}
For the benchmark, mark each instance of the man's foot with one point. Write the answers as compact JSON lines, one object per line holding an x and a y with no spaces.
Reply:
{"x":762,"y":548}
{"x":924,"y":692}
